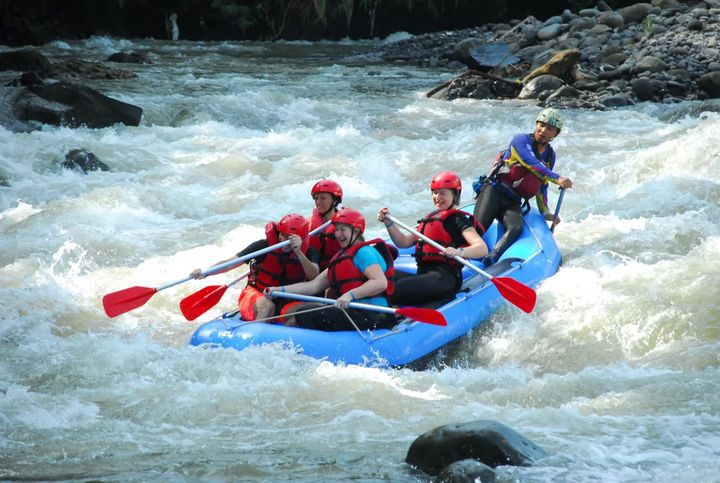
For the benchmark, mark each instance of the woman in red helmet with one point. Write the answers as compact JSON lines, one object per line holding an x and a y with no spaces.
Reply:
{"x":292,"y":263}
{"x":438,"y":274}
{"x":327,"y":195}
{"x":361,"y":271}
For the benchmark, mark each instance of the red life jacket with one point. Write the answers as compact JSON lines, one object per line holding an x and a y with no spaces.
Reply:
{"x":344,"y":276}
{"x":524,"y":182}
{"x":278,"y":267}
{"x":433,"y":226}
{"x":324,"y":242}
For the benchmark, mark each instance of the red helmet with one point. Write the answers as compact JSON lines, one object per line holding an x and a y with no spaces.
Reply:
{"x":446,"y":179}
{"x":293,"y":224}
{"x":350,"y":217}
{"x":327,"y":186}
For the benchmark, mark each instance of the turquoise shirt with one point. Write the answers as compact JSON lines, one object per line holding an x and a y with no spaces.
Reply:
{"x":365,"y":257}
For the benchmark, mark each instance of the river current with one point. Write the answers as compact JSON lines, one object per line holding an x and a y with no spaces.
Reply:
{"x":615,"y":374}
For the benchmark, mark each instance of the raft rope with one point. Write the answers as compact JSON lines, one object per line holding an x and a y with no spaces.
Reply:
{"x":313,"y":309}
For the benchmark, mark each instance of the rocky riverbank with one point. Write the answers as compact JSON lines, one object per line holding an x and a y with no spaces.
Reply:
{"x":664,"y":51}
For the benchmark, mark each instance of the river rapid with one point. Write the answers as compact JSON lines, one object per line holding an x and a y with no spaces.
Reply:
{"x":615,"y":373}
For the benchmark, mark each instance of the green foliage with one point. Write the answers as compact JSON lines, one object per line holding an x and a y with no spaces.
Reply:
{"x":647,"y":26}
{"x":239,"y":15}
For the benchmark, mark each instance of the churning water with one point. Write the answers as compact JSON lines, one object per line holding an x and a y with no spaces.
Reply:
{"x":616,"y":372}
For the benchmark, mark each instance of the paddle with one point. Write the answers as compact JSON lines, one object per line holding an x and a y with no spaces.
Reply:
{"x":125,"y":300}
{"x":196,"y":304}
{"x":515,"y":292}
{"x":427,"y":316}
{"x":557,"y":210}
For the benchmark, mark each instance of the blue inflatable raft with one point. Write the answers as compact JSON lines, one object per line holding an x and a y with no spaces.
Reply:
{"x":531,"y":259}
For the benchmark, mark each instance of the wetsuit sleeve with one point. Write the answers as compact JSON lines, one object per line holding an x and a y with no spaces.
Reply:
{"x":455,"y":224}
{"x":313,"y":255}
{"x":541,"y":198}
{"x":253,"y":247}
{"x":521,"y":151}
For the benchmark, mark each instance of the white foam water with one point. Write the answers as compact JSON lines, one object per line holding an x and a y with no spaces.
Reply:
{"x":615,"y":373}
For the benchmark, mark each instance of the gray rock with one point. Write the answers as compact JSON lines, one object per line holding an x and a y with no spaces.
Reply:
{"x":650,"y":63}
{"x":643,"y":88}
{"x":83,"y":161}
{"x":549,"y":32}
{"x":466,"y":471}
{"x":615,"y":101}
{"x":611,"y":19}
{"x":710,"y":83}
{"x":635,"y":13}
{"x":73,"y":105}
{"x":540,"y":87}
{"x":489,"y":442}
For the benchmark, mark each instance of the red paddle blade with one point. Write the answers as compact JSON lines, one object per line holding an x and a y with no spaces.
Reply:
{"x":428,"y":316}
{"x":122,"y":301}
{"x":516,"y":292}
{"x":196,"y":304}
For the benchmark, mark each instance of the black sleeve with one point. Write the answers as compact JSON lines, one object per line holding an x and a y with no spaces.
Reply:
{"x":313,"y":255}
{"x":253,"y":247}
{"x":455,"y":224}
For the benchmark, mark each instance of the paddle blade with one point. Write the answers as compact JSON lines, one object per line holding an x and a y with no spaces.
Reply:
{"x":516,"y":292}
{"x":428,"y":316}
{"x":122,"y":301}
{"x":196,"y":304}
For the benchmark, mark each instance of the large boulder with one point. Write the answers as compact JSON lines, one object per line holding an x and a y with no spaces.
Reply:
{"x":83,"y":161}
{"x":710,"y":83}
{"x":69,"y":104}
{"x":540,"y":87}
{"x":24,"y":61}
{"x":561,"y":65}
{"x":490,"y":442}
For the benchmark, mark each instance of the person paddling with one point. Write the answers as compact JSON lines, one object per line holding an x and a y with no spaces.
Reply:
{"x":291,"y":263}
{"x":361,"y":271}
{"x":438,"y":274}
{"x":521,"y":172}
{"x":327,"y":195}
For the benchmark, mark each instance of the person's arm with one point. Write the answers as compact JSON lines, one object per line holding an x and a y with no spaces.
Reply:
{"x":399,"y":238}
{"x":476,"y":245}
{"x":521,"y":151}
{"x":253,"y":247}
{"x":311,"y":269}
{"x":310,"y":287}
{"x":376,"y":284}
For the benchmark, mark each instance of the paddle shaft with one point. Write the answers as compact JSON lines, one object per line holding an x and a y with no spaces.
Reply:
{"x":435,"y":244}
{"x":557,"y":210}
{"x":323,"y":300}
{"x":230,"y":263}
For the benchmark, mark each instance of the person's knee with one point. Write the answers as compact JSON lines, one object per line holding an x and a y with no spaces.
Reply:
{"x":264,"y":308}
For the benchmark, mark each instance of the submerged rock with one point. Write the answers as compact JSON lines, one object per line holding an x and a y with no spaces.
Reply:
{"x":73,"y":105}
{"x":84,"y":161}
{"x":489,"y":442}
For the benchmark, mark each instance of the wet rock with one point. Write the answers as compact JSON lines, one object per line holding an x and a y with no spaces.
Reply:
{"x":540,"y":87}
{"x":73,"y":105}
{"x":561,"y":65}
{"x":24,"y":60}
{"x":83,"y":161}
{"x":490,"y":442}
{"x":466,"y":471}
{"x":643,"y":88}
{"x":75,"y":69}
{"x":133,"y":57}
{"x":710,"y":83}
{"x":4,"y":182}
{"x":635,"y":13}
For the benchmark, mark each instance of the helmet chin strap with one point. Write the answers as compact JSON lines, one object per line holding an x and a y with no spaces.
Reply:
{"x":334,"y":206}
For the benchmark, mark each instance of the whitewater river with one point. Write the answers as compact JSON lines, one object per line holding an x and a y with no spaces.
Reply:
{"x":616,"y":372}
